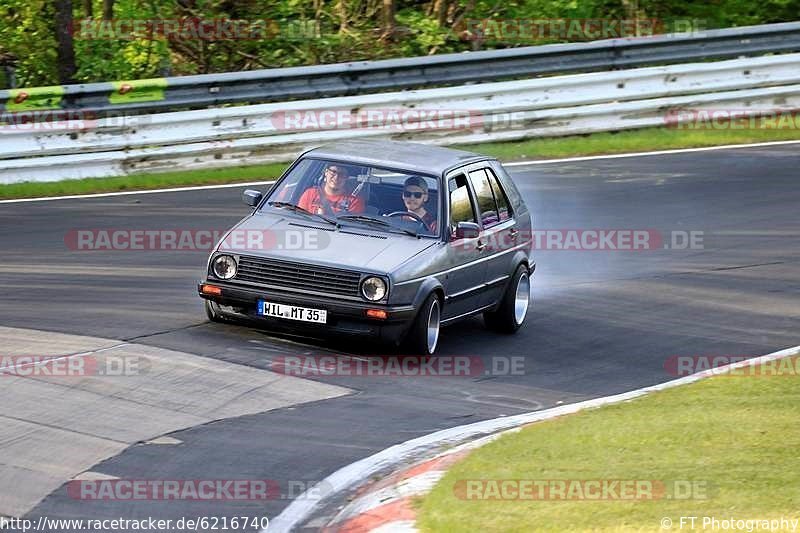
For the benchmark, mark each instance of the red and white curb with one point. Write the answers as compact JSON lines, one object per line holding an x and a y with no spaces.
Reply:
{"x":385,"y":506}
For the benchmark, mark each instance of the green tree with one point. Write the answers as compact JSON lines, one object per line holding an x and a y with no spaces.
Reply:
{"x":301,"y":32}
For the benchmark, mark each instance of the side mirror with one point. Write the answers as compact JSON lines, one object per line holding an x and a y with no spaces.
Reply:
{"x":467,"y":230}
{"x":252,"y":197}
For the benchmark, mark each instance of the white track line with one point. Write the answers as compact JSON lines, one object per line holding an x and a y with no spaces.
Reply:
{"x":511,"y":164}
{"x":351,"y":475}
{"x":128,"y":193}
{"x":644,"y":154}
{"x":47,"y":360}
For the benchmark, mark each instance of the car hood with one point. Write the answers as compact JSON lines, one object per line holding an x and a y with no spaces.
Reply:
{"x":354,"y":247}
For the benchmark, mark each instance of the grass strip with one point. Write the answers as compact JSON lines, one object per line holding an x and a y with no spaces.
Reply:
{"x":724,"y":447}
{"x":137,"y":182}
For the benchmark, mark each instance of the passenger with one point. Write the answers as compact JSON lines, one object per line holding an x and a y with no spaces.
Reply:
{"x":415,"y":195}
{"x":332,"y":197}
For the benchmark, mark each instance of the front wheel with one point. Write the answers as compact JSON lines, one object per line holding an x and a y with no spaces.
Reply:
{"x":513,"y":308}
{"x":213,"y":312}
{"x":423,"y":336}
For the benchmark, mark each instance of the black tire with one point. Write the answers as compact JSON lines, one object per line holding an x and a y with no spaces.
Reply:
{"x":506,"y":318}
{"x":417,"y":338}
{"x":213,"y":312}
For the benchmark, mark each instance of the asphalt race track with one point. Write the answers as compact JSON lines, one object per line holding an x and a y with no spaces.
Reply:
{"x":602,"y":322}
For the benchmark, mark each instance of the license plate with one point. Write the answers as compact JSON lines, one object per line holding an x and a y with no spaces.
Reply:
{"x":292,"y":312}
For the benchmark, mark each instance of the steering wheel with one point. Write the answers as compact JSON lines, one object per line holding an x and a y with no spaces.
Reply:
{"x":408,"y":214}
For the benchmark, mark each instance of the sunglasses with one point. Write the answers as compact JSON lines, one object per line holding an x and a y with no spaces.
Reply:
{"x":333,"y":170}
{"x":409,"y":194}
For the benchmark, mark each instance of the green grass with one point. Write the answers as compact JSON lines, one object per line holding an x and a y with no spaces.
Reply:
{"x":643,"y":140}
{"x":737,"y":438}
{"x":543,"y":148}
{"x":143,"y":181}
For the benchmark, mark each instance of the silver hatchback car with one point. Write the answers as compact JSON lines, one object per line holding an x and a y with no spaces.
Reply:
{"x":381,"y":239}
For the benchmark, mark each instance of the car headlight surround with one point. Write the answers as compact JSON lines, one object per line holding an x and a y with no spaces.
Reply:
{"x":224,"y":266}
{"x":373,"y":288}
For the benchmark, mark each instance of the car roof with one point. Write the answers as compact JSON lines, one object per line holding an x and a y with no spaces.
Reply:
{"x":408,"y":156}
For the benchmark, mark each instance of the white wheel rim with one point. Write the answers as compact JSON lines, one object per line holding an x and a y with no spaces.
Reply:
{"x":522,"y":298}
{"x":433,"y":327}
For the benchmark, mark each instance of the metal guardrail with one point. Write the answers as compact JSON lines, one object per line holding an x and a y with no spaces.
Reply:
{"x":581,"y":103}
{"x":323,"y":81}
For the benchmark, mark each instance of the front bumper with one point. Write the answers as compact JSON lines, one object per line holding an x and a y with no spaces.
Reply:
{"x":344,"y":317}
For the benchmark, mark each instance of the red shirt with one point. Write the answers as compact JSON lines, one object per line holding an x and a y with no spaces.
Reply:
{"x":311,"y":201}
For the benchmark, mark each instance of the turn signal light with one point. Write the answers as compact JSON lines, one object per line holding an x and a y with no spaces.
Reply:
{"x":377,"y":313}
{"x":211,"y":289}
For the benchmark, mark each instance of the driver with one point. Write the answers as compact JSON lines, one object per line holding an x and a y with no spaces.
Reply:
{"x":332,"y":197}
{"x":415,"y":195}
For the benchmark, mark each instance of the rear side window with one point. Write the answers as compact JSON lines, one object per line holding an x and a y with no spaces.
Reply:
{"x":503,"y":206}
{"x":511,"y":190}
{"x":487,"y":206}
{"x":460,"y":202}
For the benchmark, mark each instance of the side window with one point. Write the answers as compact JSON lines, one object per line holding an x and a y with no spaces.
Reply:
{"x":460,"y":202}
{"x":487,"y":207}
{"x":503,"y":206}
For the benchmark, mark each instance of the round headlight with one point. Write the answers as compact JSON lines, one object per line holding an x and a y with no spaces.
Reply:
{"x":224,"y":266}
{"x":373,"y":288}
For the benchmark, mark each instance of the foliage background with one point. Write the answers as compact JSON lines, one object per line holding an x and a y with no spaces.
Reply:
{"x":309,"y":32}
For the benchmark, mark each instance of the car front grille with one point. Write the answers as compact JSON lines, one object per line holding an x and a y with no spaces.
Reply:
{"x":298,"y":276}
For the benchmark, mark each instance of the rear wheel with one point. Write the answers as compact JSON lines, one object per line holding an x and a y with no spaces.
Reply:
{"x":513,"y":308}
{"x":423,"y":337}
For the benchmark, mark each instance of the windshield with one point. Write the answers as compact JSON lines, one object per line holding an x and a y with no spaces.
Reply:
{"x":384,"y":200}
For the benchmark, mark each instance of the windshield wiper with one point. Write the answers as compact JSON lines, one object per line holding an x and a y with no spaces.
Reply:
{"x":368,"y":219}
{"x":298,"y":209}
{"x":365,"y":218}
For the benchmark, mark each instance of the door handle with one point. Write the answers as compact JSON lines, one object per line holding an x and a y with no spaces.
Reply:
{"x":480,"y":246}
{"x":513,"y":233}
